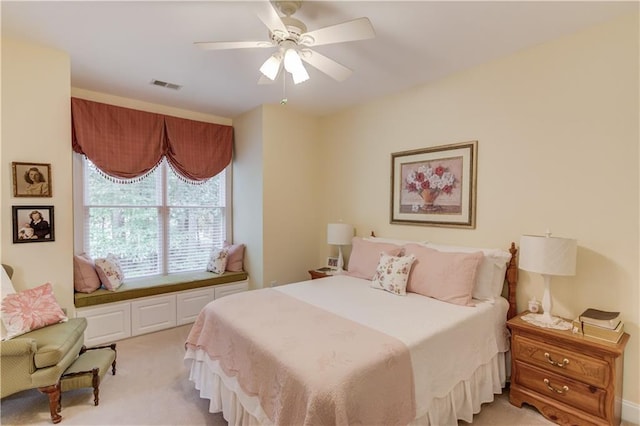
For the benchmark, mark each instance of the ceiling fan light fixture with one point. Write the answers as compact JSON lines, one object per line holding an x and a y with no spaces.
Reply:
{"x":271,"y":66}
{"x":293,"y":64}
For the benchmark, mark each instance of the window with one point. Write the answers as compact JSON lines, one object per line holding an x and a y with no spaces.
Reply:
{"x":156,"y":225}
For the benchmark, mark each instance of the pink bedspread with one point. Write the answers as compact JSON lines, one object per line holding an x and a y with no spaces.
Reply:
{"x":306,"y":365}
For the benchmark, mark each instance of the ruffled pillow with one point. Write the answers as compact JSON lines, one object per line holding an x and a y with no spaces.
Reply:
{"x":110,"y":272}
{"x":30,"y":310}
{"x":218,"y":260}
{"x":392,"y":273}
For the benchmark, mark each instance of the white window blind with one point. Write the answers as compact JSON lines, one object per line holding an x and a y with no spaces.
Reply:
{"x":157,"y":225}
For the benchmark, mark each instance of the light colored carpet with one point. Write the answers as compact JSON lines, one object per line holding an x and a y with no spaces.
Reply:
{"x":151,"y":387}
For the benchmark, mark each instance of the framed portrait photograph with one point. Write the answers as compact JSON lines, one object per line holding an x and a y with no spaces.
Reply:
{"x":33,"y":224}
{"x":31,"y":179}
{"x":435,"y":186}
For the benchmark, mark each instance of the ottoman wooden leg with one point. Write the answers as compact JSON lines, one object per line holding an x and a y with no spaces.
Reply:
{"x":53,"y":392}
{"x":95,"y":381}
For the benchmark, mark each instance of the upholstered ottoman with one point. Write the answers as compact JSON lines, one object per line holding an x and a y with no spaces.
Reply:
{"x":88,"y":370}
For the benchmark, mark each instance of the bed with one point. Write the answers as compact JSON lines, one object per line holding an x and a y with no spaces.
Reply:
{"x":337,"y":351}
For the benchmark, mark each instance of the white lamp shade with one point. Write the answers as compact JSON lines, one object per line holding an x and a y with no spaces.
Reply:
{"x":548,"y":255}
{"x":339,"y":234}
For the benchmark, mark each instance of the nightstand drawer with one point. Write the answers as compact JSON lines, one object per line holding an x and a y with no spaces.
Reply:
{"x":589,"y":399}
{"x":552,"y":358}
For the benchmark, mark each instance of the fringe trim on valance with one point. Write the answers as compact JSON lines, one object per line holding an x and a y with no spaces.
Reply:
{"x":119,"y":180}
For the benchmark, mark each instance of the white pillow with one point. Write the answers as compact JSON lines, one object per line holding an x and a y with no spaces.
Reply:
{"x":218,"y":260}
{"x":395,"y":241}
{"x":491,"y":272}
{"x":392,"y":273}
{"x":7,"y":288}
{"x":110,"y":272}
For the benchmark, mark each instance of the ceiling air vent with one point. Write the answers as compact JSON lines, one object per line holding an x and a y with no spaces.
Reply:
{"x":165,"y":84}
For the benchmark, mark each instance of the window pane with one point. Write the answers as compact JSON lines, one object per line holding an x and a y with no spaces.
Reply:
{"x":131,"y":234}
{"x":193,"y":233}
{"x":104,"y":192}
{"x":209,"y":193}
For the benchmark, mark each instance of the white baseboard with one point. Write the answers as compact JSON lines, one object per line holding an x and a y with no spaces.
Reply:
{"x":630,"y":412}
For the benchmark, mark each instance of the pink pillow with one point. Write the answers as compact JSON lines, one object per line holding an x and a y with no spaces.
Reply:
{"x":365,"y":256}
{"x":445,"y":276}
{"x":85,"y":277}
{"x":235,"y":259}
{"x":29,"y":310}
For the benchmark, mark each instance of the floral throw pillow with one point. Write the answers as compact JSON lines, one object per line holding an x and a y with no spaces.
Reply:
{"x":30,"y":310}
{"x":110,"y":272}
{"x":392,"y":273}
{"x":218,"y":260}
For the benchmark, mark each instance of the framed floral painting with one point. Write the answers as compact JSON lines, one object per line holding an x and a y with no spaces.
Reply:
{"x":435,"y":186}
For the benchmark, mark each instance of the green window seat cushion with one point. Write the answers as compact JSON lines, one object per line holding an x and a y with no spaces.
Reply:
{"x":152,"y":286}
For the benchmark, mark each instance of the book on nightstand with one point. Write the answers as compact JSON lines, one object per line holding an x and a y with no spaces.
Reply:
{"x":603,"y":333}
{"x":604,"y":319}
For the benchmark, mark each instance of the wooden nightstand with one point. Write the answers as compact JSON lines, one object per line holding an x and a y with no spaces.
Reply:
{"x":569,"y":379}
{"x":315,"y":274}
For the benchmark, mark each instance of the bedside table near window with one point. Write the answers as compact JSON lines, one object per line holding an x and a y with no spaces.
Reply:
{"x":568,"y":378}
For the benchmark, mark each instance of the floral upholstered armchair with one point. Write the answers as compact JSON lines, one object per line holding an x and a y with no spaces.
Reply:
{"x":36,"y":359}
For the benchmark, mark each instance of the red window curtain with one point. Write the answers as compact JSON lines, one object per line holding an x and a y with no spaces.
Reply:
{"x":125,"y":143}
{"x":197,"y":151}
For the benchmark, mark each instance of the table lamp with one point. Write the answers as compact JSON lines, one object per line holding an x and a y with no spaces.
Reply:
{"x":548,"y":256}
{"x":339,"y":234}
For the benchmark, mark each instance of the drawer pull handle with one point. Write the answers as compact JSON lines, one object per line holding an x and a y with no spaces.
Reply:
{"x":564,"y":389}
{"x":556,"y":363}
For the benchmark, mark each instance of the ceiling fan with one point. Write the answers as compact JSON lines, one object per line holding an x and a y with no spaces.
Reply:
{"x":293,"y":41}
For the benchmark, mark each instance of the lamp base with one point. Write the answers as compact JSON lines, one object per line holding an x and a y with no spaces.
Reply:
{"x":543,"y":321}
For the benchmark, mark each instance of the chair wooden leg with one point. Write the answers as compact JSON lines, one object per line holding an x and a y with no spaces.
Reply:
{"x":53,"y":392}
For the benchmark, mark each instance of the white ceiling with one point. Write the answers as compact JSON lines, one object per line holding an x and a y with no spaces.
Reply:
{"x":119,"y":47}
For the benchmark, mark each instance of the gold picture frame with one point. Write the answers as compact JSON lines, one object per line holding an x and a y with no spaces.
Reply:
{"x":435,"y":186}
{"x":31,"y":179}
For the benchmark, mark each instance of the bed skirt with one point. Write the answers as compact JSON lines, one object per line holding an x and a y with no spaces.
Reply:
{"x":240,"y":409}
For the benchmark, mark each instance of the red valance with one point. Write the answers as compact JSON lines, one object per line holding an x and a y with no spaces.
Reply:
{"x":125,"y":143}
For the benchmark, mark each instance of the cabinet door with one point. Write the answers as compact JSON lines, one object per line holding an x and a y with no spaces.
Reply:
{"x":153,"y":314}
{"x":189,"y":304}
{"x":227,"y":289}
{"x":106,"y":323}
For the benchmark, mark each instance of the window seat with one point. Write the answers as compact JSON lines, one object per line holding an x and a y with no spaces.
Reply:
{"x":152,"y":286}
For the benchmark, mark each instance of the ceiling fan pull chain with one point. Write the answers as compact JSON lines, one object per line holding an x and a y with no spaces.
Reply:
{"x":283,"y":101}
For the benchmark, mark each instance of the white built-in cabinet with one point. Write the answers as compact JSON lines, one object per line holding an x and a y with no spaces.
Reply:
{"x":115,"y":321}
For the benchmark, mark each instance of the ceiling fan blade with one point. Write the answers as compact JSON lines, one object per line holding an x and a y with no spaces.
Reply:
{"x":328,"y":66}
{"x":270,"y":17}
{"x":358,"y":29}
{"x":221,"y":45}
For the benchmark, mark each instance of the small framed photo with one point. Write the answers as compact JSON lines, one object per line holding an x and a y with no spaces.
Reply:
{"x":31,"y":179}
{"x":332,"y":262}
{"x":33,"y":224}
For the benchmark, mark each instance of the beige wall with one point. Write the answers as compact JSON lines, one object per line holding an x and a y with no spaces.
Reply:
{"x":557,"y":130}
{"x":36,"y":128}
{"x":276,"y":185}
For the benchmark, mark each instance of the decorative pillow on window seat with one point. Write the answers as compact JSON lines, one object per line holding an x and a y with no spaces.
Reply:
{"x":30,"y":310}
{"x":218,"y":260}
{"x":235,"y":257}
{"x":110,"y":272}
{"x":85,"y":276}
{"x":392,"y":273}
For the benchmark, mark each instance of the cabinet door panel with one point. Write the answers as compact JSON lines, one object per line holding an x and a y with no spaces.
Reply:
{"x":190,"y":303}
{"x":153,"y":314}
{"x":106,"y":323}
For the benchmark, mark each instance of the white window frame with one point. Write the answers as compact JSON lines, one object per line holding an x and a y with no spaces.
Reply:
{"x":78,"y":205}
